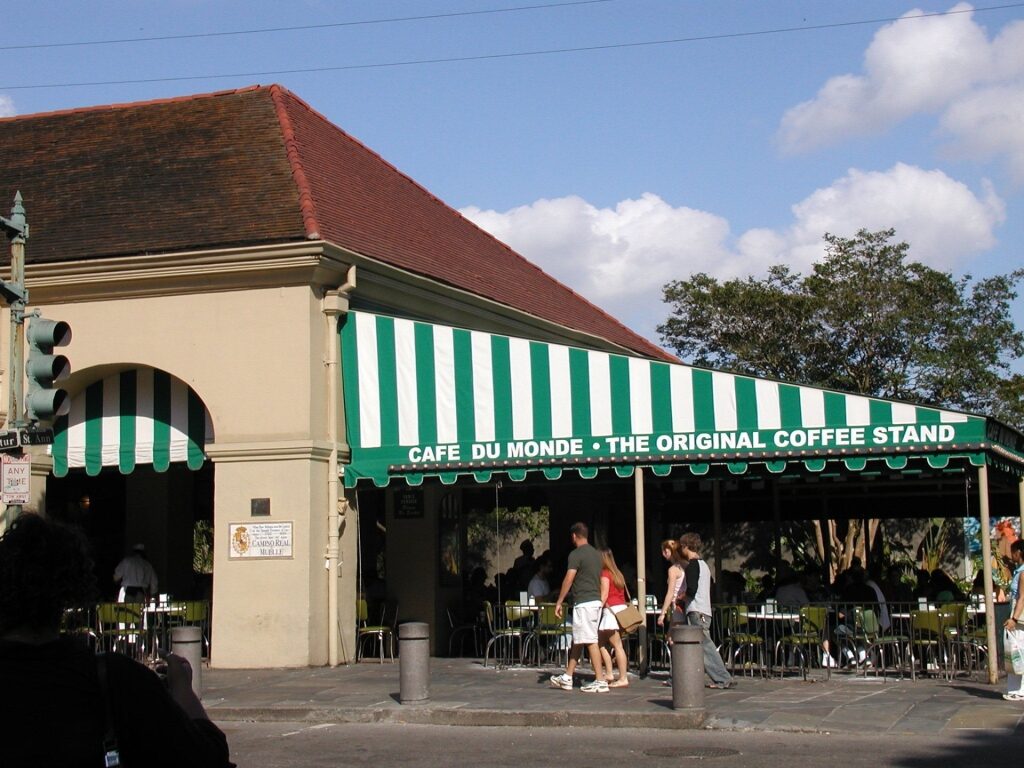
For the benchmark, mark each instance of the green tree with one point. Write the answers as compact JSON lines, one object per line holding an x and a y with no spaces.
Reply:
{"x":866,"y":320}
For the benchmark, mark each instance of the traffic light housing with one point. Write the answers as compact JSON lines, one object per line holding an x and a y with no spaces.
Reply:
{"x":44,"y":402}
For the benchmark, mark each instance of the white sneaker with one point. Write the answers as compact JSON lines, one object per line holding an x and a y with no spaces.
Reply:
{"x":562,"y":681}
{"x":598,"y":686}
{"x":1014,"y":696}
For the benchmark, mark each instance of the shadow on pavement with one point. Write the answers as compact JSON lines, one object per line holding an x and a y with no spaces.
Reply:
{"x":976,"y":749}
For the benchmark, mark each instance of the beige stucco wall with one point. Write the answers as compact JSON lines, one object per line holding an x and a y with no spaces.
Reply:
{"x":257,"y":359}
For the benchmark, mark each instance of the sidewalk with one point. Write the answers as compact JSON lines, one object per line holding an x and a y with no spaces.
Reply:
{"x":462,"y":692}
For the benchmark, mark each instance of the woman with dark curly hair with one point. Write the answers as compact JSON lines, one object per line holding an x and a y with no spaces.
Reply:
{"x":54,"y":710}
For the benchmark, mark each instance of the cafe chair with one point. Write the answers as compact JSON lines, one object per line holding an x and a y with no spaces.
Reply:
{"x":505,"y":636}
{"x":804,"y":644}
{"x":380,"y":635}
{"x":961,"y":640}
{"x":884,"y":649}
{"x":458,"y":633}
{"x":119,"y":627}
{"x":930,"y":640}
{"x":549,"y":636}
{"x":739,"y":644}
{"x":659,"y":650}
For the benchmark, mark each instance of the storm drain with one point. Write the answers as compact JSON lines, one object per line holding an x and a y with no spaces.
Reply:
{"x":693,"y":753}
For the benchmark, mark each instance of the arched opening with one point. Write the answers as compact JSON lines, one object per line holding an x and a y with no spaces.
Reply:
{"x":129,"y":467}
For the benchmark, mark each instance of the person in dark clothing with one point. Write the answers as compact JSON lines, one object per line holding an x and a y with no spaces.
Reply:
{"x":942,"y":589}
{"x":55,"y":710}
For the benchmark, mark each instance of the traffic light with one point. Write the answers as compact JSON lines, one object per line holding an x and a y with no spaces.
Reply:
{"x":43,"y":368}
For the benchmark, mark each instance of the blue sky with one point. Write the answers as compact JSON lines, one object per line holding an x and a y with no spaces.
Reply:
{"x":616,"y":169}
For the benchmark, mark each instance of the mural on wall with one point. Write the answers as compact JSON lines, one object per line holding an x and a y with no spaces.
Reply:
{"x":1003,"y":533}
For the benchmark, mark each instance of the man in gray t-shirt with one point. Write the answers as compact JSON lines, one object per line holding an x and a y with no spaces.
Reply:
{"x":583,"y":577}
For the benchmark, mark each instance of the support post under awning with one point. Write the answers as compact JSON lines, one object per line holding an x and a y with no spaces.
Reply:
{"x":1020,"y":503}
{"x":986,"y":558}
{"x":641,"y":568}
{"x":716,"y":514}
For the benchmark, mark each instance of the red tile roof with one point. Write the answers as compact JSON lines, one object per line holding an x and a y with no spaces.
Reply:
{"x":250,"y":167}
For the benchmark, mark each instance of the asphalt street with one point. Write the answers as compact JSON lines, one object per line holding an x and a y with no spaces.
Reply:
{"x":273,"y":744}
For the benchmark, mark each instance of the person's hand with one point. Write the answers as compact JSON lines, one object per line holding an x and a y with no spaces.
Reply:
{"x":558,"y":610}
{"x":661,"y":619}
{"x":179,"y":671}
{"x":179,"y":685}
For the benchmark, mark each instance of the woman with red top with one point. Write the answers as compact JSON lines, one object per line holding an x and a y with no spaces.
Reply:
{"x":613,"y":597}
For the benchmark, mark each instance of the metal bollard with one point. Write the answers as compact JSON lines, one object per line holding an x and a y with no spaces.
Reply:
{"x":414,"y":662}
{"x":187,"y":642}
{"x":687,"y":667}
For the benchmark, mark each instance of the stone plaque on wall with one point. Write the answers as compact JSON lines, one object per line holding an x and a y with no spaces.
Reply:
{"x":259,"y":541}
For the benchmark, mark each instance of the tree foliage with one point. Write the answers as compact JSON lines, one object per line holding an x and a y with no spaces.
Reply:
{"x":866,"y":320}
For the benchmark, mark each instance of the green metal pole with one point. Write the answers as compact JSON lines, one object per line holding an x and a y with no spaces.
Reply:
{"x":16,"y":367}
{"x":16,"y":228}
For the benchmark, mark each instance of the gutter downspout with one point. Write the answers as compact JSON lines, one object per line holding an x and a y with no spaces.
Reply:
{"x":334,"y":304}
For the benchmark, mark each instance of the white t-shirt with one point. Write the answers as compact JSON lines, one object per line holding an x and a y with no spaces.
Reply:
{"x":701,"y":603}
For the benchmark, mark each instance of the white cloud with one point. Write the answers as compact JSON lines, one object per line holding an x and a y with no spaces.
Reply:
{"x":942,"y":219}
{"x":620,"y":257}
{"x":989,"y":123}
{"x":7,"y":107}
{"x":938,"y":64}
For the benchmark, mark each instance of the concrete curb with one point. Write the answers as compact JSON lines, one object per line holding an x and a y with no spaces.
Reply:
{"x":427,"y":714}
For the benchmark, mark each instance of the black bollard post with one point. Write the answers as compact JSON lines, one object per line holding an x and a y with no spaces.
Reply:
{"x":687,"y":667}
{"x":414,"y":662}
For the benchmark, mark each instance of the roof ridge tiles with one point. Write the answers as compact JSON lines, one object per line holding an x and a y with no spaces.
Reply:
{"x":134,"y":104}
{"x":307,"y":204}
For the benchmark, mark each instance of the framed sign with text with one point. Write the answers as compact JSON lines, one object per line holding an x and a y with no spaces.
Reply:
{"x":408,"y":503}
{"x":260,"y":541}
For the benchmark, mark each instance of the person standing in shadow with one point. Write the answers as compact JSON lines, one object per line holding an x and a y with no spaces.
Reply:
{"x":62,"y":704}
{"x":136,"y":576}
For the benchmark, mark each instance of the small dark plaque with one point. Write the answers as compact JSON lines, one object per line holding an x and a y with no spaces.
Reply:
{"x":259,"y":507}
{"x":408,"y":503}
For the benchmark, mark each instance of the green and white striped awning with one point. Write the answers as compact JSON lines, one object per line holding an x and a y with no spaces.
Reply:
{"x":136,"y":417}
{"x":424,"y":399}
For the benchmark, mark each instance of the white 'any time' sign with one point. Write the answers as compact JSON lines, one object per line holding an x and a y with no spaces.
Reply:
{"x":15,"y":479}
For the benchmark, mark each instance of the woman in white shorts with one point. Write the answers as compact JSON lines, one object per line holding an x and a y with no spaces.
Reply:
{"x":613,"y":598}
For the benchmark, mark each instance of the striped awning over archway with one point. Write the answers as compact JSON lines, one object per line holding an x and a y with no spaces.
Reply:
{"x":137,"y":417}
{"x":427,"y":399}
